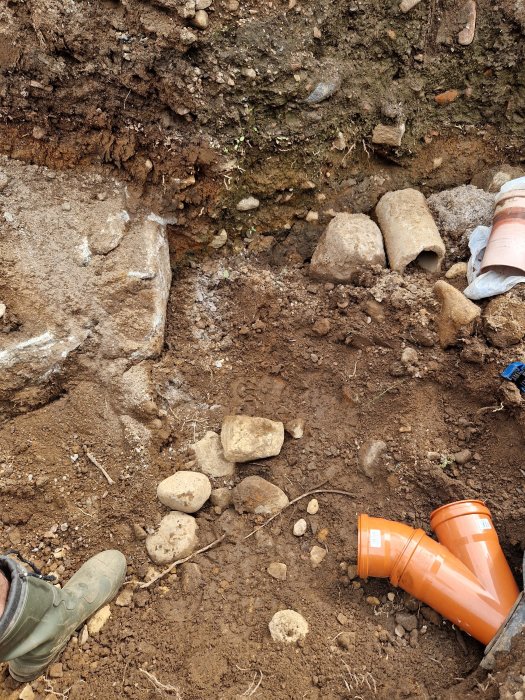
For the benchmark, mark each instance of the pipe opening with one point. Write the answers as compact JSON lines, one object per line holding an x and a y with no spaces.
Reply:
{"x":428,"y":260}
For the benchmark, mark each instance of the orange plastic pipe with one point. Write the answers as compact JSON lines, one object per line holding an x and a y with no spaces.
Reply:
{"x":466,"y":529}
{"x":430,"y":572}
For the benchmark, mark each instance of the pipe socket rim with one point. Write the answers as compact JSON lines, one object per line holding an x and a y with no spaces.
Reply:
{"x":455,"y":510}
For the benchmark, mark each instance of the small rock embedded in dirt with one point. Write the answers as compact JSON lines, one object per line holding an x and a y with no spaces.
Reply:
{"x":510,"y":394}
{"x":504,"y":321}
{"x":201,"y":19}
{"x":2,"y":310}
{"x":321,"y":327}
{"x":248,"y":204}
{"x":462,"y":457}
{"x":414,"y":638}
{"x":125,"y":597}
{"x":409,"y":622}
{"x":348,"y":242}
{"x":184,"y":491}
{"x":256,"y":495}
{"x":323,"y":91}
{"x":459,"y":210}
{"x":431,"y":616}
{"x":317,"y":555}
{"x":210,"y":456}
{"x":369,"y":455}
{"x":191,"y":577}
{"x":342,"y":619}
{"x":372,"y":600}
{"x":27,"y":693}
{"x":447,"y":97}
{"x":221,"y":498}
{"x":288,"y":626}
{"x":98,"y":620}
{"x":346,"y":640}
{"x":386,"y":135}
{"x":277,"y":570}
{"x":4,"y":180}
{"x":299,"y":527}
{"x":457,"y":316}
{"x":219,"y":240}
{"x":245,"y":438}
{"x":139,"y":532}
{"x":459,"y":269}
{"x":295,"y":428}
{"x":351,"y":571}
{"x":409,"y":357}
{"x":175,"y":538}
{"x":313,"y":506}
{"x":399,"y":631}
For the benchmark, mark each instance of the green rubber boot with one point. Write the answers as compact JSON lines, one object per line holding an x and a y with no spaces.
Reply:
{"x":39,"y":618}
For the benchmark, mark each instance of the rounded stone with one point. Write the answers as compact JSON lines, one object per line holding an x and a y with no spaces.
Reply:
{"x":175,"y":539}
{"x":300,"y":527}
{"x":184,"y":491}
{"x":288,"y":626}
{"x":256,"y":495}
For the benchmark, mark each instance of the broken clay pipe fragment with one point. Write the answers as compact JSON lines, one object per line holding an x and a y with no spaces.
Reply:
{"x":428,"y":571}
{"x":410,"y":233}
{"x":506,"y":244}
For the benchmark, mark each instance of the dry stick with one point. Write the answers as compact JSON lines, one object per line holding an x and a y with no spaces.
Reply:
{"x":160,"y":686}
{"x":181,"y":561}
{"x":295,"y":500}
{"x":98,"y":466}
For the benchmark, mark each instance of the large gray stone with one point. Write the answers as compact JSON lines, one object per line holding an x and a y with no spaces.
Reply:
{"x":256,"y":495}
{"x":349,"y":242}
{"x":210,"y":456}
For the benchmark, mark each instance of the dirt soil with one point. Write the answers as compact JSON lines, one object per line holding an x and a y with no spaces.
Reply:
{"x":112,"y":106}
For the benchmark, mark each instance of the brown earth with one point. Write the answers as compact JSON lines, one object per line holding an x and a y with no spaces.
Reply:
{"x":239,"y":332}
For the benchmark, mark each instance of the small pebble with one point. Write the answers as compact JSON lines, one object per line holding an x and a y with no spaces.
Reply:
{"x":295,"y":428}
{"x":372,"y":600}
{"x":342,"y":619}
{"x":317,"y":555}
{"x":313,"y":507}
{"x":288,"y":626}
{"x":399,"y":631}
{"x":248,"y":204}
{"x":201,"y":19}
{"x":277,"y":570}
{"x":299,"y":527}
{"x":346,"y":640}
{"x":391,"y":596}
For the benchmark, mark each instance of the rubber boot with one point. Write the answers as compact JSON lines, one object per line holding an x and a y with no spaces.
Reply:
{"x":39,"y":618}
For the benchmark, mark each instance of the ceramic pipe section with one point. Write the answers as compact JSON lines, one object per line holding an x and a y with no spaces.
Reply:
{"x":430,"y":572}
{"x":409,"y":230}
{"x":506,"y":244}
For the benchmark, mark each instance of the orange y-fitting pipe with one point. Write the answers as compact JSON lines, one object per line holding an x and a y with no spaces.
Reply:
{"x":466,"y":578}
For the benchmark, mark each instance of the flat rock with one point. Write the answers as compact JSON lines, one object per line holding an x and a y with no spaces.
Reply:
{"x":504,"y":321}
{"x":459,"y":269}
{"x":245,"y":438}
{"x":387,"y":135}
{"x":369,"y":455}
{"x":277,"y":570}
{"x":98,"y":620}
{"x":176,"y":538}
{"x":288,"y":626}
{"x":184,"y":491}
{"x":256,"y":495}
{"x":317,"y":555}
{"x":457,"y":316}
{"x":210,"y":456}
{"x":350,"y":241}
{"x":125,"y":597}
{"x":248,"y":204}
{"x":221,"y":498}
{"x":27,"y":693}
{"x":409,"y":622}
{"x":295,"y":428}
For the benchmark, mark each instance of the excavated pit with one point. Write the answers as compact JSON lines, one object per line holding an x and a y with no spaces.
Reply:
{"x":129,"y":137}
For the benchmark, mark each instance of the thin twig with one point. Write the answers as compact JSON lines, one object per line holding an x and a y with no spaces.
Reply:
{"x":295,"y":500}
{"x":93,"y":460}
{"x":170,"y":568}
{"x":160,"y":686}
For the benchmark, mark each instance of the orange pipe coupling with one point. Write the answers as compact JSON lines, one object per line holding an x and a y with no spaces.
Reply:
{"x":464,"y":577}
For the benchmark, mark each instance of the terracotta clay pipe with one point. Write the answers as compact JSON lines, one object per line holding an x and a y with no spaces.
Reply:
{"x":428,"y":571}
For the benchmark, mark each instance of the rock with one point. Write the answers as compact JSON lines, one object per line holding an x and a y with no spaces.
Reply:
{"x":386,"y":135}
{"x":369,"y":455}
{"x":295,"y":428}
{"x":125,"y":597}
{"x":252,"y":74}
{"x":317,"y":555}
{"x":457,"y":316}
{"x":372,"y":600}
{"x":409,"y":357}
{"x":462,"y":457}
{"x":245,"y":438}
{"x":191,"y":577}
{"x":277,"y":571}
{"x":219,"y":240}
{"x":176,"y":538}
{"x":210,"y":456}
{"x":256,"y":495}
{"x":459,"y":210}
{"x":312,"y":216}
{"x":299,"y":527}
{"x":323,"y":91}
{"x":351,"y":571}
{"x":474,"y":351}
{"x":321,"y":327}
{"x":98,"y":620}
{"x":504,"y":321}
{"x":203,"y":4}
{"x":447,"y":97}
{"x":399,"y":631}
{"x":409,"y":622}
{"x":346,"y":640}
{"x":184,"y":491}
{"x":288,"y":626}
{"x":459,"y":269}
{"x":4,"y":180}
{"x":349,"y":242}
{"x":431,"y":616}
{"x":83,"y":637}
{"x":221,"y":498}
{"x":411,"y":235}
{"x":109,"y":236}
{"x":493,"y":179}
{"x":201,"y":19}
{"x":313,"y":506}
{"x":2,"y":310}
{"x":139,"y":532}
{"x":510,"y":394}
{"x":27,"y":693}
{"x":247,"y":204}
{"x":414,"y":638}
{"x":342,"y":619}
